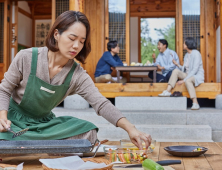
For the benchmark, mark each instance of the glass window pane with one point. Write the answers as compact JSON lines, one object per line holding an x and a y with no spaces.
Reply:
{"x":153,"y":29}
{"x":190,"y":7}
{"x":117,"y":25}
{"x":117,"y":6}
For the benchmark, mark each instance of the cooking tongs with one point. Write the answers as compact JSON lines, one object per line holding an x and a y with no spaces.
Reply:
{"x":17,"y":133}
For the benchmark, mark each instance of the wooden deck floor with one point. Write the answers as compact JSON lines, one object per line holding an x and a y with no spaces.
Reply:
{"x":205,"y":90}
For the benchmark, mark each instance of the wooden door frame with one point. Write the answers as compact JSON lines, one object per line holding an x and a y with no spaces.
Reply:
{"x":7,"y":35}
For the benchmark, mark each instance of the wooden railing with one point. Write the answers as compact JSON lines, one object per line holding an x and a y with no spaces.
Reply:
{"x":205,"y":90}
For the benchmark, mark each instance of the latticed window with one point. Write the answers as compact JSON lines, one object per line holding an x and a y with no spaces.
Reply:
{"x":117,"y":25}
{"x":1,"y":31}
{"x":191,"y":20}
{"x":191,"y":28}
{"x":61,"y":6}
{"x":117,"y":31}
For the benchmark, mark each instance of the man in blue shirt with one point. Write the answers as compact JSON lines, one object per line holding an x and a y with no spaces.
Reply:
{"x":107,"y":64}
{"x":164,"y":61}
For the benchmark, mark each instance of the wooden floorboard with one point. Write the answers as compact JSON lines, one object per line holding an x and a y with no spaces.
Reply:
{"x":165,"y":156}
{"x":205,"y":90}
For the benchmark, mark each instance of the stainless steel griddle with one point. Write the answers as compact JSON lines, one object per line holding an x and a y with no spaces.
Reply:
{"x":47,"y":146}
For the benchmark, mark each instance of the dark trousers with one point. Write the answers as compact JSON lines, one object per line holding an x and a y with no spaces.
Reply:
{"x":160,"y":77}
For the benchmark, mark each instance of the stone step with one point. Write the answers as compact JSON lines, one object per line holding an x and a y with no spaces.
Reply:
{"x":203,"y":116}
{"x":151,"y":103}
{"x":160,"y":132}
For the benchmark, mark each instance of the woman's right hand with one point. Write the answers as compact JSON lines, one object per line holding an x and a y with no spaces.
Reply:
{"x":4,"y":122}
{"x":4,"y":125}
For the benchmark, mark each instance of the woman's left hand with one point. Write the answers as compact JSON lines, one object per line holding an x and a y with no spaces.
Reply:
{"x":180,"y":82}
{"x":137,"y":137}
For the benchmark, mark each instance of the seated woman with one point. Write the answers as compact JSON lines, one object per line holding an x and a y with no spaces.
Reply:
{"x":191,"y":73}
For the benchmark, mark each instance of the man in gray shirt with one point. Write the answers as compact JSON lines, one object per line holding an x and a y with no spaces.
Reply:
{"x":164,"y":61}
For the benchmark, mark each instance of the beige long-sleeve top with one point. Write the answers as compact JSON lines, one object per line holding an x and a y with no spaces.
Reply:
{"x":16,"y":78}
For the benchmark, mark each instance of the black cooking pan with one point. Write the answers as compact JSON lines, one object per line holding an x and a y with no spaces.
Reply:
{"x":185,"y":151}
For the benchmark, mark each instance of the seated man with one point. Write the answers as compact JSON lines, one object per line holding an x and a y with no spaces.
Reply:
{"x":107,"y":63}
{"x":164,"y":61}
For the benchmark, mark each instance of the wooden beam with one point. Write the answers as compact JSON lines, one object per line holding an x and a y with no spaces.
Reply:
{"x":205,"y":90}
{"x":153,"y":14}
{"x":42,"y":17}
{"x":24,"y":13}
{"x":53,"y":11}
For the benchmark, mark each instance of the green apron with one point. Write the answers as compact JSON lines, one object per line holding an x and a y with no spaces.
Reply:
{"x":34,"y":111}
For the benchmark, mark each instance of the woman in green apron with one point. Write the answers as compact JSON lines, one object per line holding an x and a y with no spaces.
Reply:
{"x":39,"y":79}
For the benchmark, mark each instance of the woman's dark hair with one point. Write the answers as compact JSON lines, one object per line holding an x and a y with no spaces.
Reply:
{"x":190,"y":43}
{"x":111,"y":44}
{"x":164,"y":42}
{"x":62,"y":23}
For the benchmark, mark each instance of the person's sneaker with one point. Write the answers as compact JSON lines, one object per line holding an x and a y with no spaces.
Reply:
{"x":165,"y":94}
{"x":195,"y":106}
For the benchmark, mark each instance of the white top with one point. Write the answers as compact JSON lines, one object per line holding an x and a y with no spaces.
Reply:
{"x":186,"y":64}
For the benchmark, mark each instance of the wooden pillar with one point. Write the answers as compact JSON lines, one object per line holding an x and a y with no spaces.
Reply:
{"x":33,"y":24}
{"x":106,"y":40}
{"x":76,"y":5}
{"x":210,"y":41}
{"x":7,"y":36}
{"x":128,"y":31}
{"x":53,"y":11}
{"x":179,"y":30}
{"x":203,"y":33}
{"x":95,"y":10}
{"x":221,"y":45}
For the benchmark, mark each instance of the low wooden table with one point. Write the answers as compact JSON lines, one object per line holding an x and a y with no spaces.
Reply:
{"x":211,"y":160}
{"x":136,"y":69}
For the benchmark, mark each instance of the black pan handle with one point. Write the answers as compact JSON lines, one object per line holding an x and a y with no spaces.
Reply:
{"x":169,"y":162}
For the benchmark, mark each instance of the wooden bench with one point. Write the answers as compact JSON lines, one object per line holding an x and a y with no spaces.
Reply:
{"x":205,"y":90}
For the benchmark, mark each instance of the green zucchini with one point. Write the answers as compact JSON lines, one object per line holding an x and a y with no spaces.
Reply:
{"x":149,"y":164}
